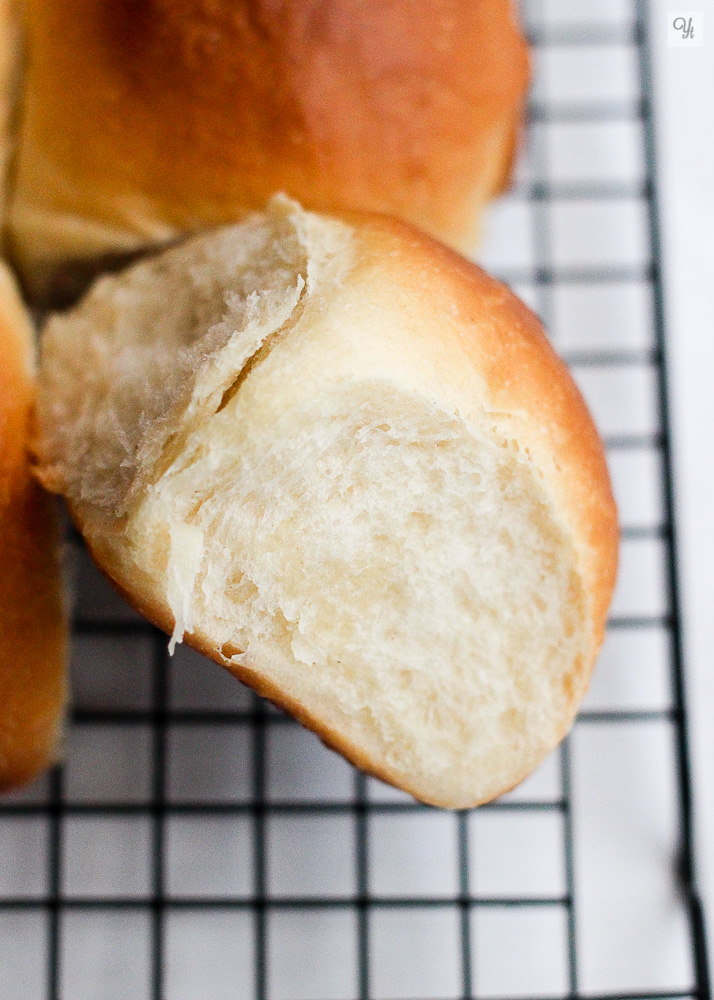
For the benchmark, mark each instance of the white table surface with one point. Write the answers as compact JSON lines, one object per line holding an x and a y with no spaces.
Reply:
{"x":684,"y":107}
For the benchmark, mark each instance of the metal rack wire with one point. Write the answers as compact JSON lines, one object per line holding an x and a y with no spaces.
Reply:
{"x":140,"y":755}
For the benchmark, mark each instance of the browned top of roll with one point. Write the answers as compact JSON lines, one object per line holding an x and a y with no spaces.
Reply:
{"x":143,"y":117}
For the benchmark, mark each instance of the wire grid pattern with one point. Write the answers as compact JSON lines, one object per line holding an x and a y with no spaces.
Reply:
{"x":198,"y":843}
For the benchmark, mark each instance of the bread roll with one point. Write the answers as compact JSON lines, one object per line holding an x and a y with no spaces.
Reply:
{"x":10,"y":74}
{"x":346,"y":464}
{"x":32,"y":622}
{"x":142,"y":120}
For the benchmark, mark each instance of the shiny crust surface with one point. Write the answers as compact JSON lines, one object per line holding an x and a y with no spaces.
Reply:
{"x":33,"y":635}
{"x":143,"y":118}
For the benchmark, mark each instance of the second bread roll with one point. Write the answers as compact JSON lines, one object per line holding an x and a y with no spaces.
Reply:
{"x":33,"y":624}
{"x":347,"y":465}
{"x":144,"y":119}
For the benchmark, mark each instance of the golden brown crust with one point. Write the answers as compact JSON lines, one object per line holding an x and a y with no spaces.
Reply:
{"x":32,"y":620}
{"x":10,"y":72}
{"x":147,"y":117}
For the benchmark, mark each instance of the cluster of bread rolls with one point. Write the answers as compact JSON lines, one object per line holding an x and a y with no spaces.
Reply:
{"x":318,"y":446}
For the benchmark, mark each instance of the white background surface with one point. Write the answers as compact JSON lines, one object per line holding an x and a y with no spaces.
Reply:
{"x":684,"y":102}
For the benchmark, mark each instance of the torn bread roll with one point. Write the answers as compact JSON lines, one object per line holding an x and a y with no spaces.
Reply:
{"x":141,"y":121}
{"x":33,"y":636}
{"x":346,"y":464}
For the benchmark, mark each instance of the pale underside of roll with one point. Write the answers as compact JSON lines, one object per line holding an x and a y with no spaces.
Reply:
{"x":141,"y":121}
{"x":33,"y":633}
{"x":347,"y":465}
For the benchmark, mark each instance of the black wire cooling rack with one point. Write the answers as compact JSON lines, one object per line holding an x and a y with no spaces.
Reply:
{"x":197,"y":843}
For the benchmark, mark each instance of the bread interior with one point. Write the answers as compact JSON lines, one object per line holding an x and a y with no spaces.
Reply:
{"x":397,"y":573}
